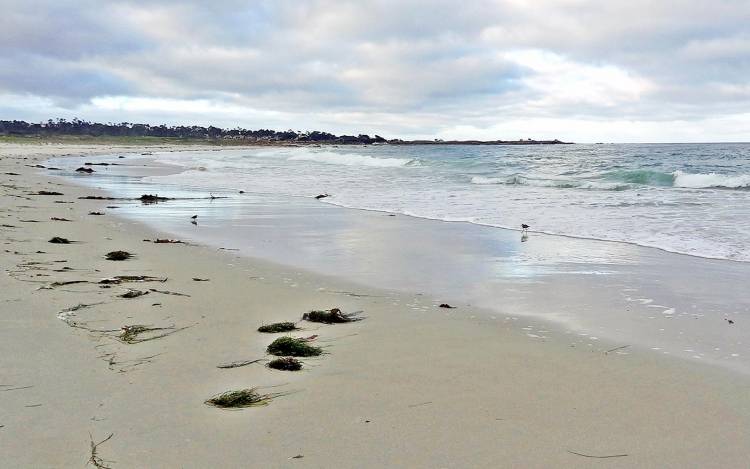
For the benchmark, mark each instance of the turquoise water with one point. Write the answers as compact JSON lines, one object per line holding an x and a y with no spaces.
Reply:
{"x":686,"y":198}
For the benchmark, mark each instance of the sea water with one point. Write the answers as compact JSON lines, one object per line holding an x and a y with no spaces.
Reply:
{"x":685,"y":198}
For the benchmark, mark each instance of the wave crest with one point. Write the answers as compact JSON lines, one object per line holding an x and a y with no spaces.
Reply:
{"x":711,"y":180}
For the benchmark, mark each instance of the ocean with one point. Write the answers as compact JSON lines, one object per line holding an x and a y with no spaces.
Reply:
{"x":685,"y":198}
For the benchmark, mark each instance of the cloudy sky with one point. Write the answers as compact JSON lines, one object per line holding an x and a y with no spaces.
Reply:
{"x":580,"y":70}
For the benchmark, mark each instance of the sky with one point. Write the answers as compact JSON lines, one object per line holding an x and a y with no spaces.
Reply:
{"x":577,"y":70}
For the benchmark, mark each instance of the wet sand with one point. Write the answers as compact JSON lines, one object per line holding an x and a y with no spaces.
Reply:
{"x":412,"y":385}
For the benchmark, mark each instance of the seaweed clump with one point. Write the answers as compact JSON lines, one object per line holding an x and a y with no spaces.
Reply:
{"x":118,"y":255}
{"x":278,"y":327}
{"x":285,"y":364}
{"x":59,"y":240}
{"x":239,"y":399}
{"x":293,"y":347}
{"x":151,"y":198}
{"x":331,"y":316}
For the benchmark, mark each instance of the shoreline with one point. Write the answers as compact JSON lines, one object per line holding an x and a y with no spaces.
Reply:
{"x":645,"y":297}
{"x":404,"y":387}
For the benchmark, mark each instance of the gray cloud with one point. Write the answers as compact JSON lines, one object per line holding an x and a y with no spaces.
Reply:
{"x":410,"y":67}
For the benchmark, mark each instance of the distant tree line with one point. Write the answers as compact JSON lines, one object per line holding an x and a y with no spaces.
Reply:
{"x":77,"y":127}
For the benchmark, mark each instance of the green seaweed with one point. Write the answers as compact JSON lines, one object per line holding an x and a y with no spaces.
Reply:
{"x":278,"y":327}
{"x":293,"y":347}
{"x":285,"y":364}
{"x":240,"y":399}
{"x":118,"y":255}
{"x":331,"y":316}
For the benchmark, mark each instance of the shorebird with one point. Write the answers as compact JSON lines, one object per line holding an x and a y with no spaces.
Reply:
{"x":194,"y":217}
{"x":524,"y":227}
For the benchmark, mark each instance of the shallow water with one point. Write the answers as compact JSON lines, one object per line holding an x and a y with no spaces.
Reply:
{"x":686,"y":198}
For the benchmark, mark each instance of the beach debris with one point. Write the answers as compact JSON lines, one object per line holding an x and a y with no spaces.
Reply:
{"x":49,"y":193}
{"x":98,"y":197}
{"x":322,"y":196}
{"x":331,"y":316}
{"x":240,"y":399}
{"x":123,"y":366}
{"x":293,"y":347}
{"x":118,"y":279}
{"x":598,"y":457}
{"x":96,"y":213}
{"x":285,"y":364}
{"x":166,"y":241}
{"x":132,"y":334}
{"x":729,"y":321}
{"x":67,"y":282}
{"x":59,"y":240}
{"x":242,"y":192}
{"x":151,"y":198}
{"x":447,"y":306}
{"x":278,"y":327}
{"x":118,"y":255}
{"x":58,"y":219}
{"x":299,"y":456}
{"x":198,"y":279}
{"x":166,"y":292}
{"x":240,"y":363}
{"x":98,"y":164}
{"x":616,"y":349}
{"x":95,"y":460}
{"x":12,"y":174}
{"x":133,"y":294}
{"x":84,"y":170}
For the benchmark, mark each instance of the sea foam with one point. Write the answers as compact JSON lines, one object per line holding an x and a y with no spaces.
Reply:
{"x":352,"y":159}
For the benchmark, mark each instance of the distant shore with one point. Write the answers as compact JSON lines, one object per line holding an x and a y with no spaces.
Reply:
{"x":80,"y":131}
{"x":115,"y":140}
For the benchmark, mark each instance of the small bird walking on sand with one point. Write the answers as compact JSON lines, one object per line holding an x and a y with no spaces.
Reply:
{"x":524,"y":227}
{"x":194,"y":217}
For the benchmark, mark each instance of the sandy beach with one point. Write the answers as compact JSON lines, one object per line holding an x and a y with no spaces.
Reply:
{"x":411,"y":385}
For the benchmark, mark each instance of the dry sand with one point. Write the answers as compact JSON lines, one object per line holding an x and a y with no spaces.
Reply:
{"x":404,"y":388}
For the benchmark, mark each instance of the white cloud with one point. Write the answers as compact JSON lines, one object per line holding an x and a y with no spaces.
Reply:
{"x":582,"y":69}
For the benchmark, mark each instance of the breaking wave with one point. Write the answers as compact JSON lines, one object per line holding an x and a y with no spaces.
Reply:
{"x":353,"y":159}
{"x":700,"y":181}
{"x":623,"y":180}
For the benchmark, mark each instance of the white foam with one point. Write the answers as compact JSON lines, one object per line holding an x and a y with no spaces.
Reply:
{"x":701,"y":181}
{"x":352,"y":159}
